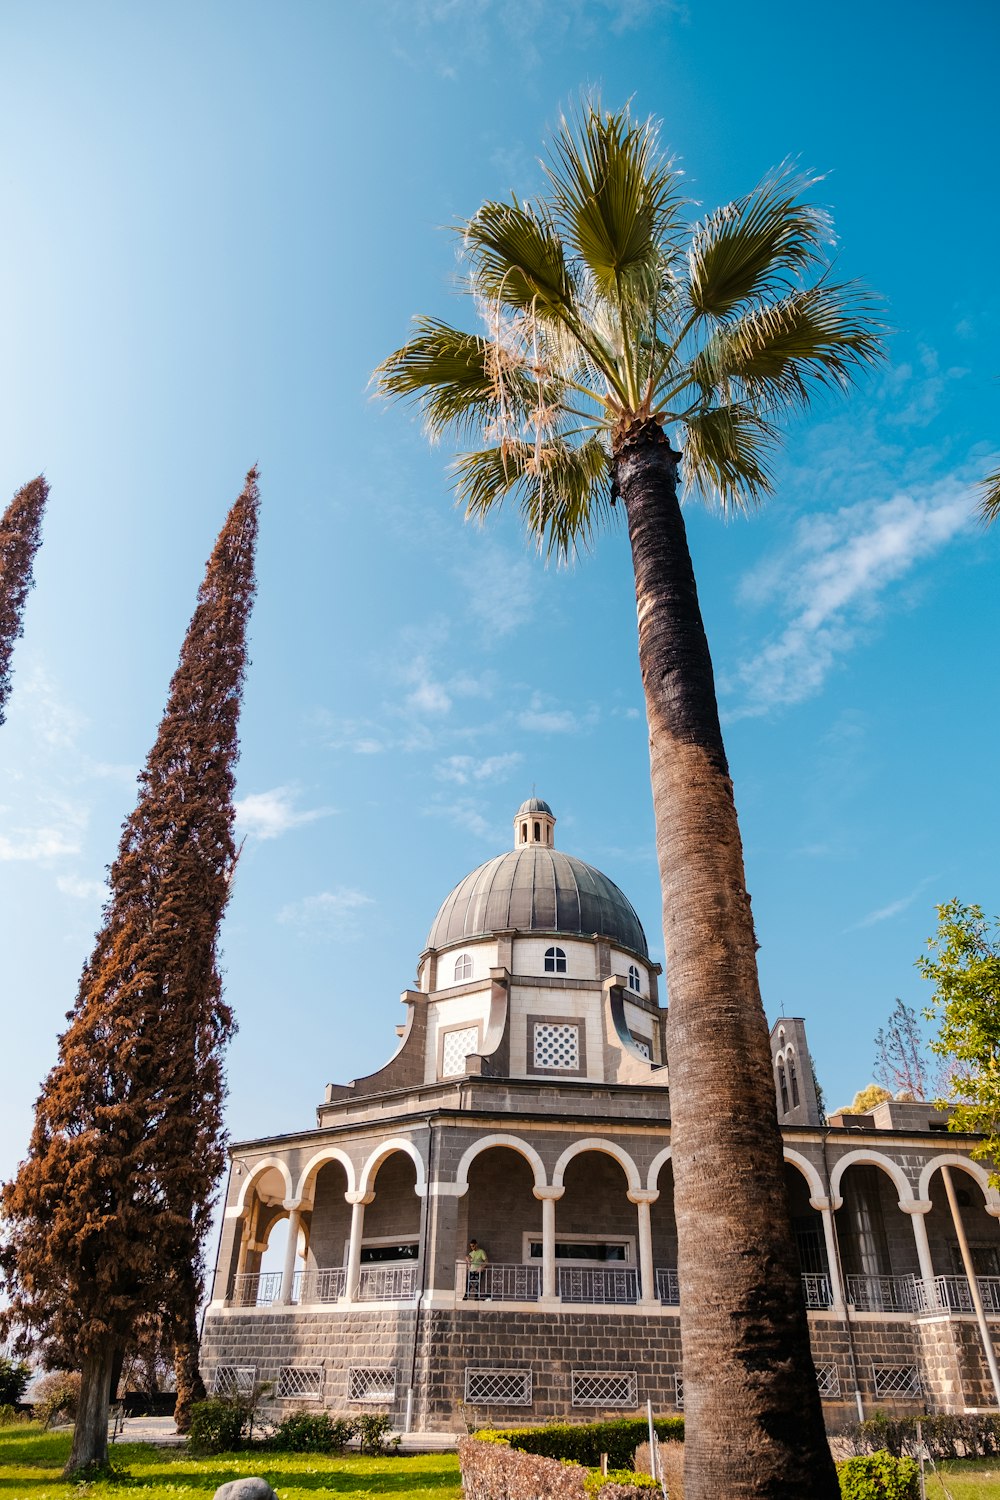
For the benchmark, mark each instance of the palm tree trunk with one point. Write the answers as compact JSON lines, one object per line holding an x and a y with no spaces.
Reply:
{"x":90,"y":1430}
{"x":752,"y":1409}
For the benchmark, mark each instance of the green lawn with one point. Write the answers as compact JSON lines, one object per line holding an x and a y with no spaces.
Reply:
{"x":979,"y":1480}
{"x":31,"y":1462}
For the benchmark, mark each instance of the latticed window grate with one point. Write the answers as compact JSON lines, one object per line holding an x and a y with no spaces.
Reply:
{"x":234,"y":1380}
{"x":828,"y":1377}
{"x":896,"y":1380}
{"x":368,"y":1383}
{"x":604,"y":1388}
{"x":679,"y":1392}
{"x":457,"y":1046}
{"x":300,"y":1382}
{"x":498,"y":1387}
{"x":642,"y":1047}
{"x":557,"y":1045}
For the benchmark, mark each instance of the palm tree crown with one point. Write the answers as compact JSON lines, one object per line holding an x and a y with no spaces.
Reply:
{"x":602,"y":309}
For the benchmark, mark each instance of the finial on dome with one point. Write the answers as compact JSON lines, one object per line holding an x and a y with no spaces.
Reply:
{"x":533,"y":824}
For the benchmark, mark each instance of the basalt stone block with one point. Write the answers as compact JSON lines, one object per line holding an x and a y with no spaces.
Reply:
{"x":250,"y":1488}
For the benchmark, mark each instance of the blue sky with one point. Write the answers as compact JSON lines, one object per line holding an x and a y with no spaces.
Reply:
{"x":217,"y":219}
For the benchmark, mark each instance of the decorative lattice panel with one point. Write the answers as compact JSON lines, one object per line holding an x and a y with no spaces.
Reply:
{"x":604,"y":1388}
{"x":896,"y":1380}
{"x":456,"y":1048}
{"x":367,"y":1383}
{"x":300,"y":1382}
{"x":234,"y":1380}
{"x":557,"y":1045}
{"x":498,"y":1387}
{"x":642,"y":1047}
{"x":679,"y":1392}
{"x":828,"y":1377}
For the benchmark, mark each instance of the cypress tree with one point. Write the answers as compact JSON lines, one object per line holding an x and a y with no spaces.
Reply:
{"x":20,"y":536}
{"x":106,"y":1219}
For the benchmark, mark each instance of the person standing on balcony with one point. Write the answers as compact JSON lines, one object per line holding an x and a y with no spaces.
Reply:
{"x":475,"y":1260}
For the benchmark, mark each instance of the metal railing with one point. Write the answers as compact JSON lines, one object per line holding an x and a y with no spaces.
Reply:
{"x":953,"y":1294}
{"x":500,"y":1281}
{"x":598,"y":1284}
{"x":255,"y":1289}
{"x":816,"y":1289}
{"x":319,"y":1286}
{"x":387,"y":1283}
{"x":883,"y":1293}
{"x":667,"y":1288}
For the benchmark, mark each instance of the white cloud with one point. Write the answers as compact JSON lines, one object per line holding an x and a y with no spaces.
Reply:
{"x":81,"y":889}
{"x":464,"y":769}
{"x":539,"y":718}
{"x":893,"y":908}
{"x":267,"y":815}
{"x":834,"y":579}
{"x":34,"y":845}
{"x":502,"y":587}
{"x":335,"y":912}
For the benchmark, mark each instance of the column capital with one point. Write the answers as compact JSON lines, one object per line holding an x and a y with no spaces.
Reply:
{"x":292,"y":1204}
{"x":993,"y":1208}
{"x":826,"y":1205}
{"x":916,"y":1206}
{"x":355,"y":1198}
{"x":552,"y":1193}
{"x":643,"y":1195}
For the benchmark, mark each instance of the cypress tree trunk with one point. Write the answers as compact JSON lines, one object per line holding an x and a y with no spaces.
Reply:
{"x":90,"y":1431}
{"x":190,"y":1386}
{"x":754,"y":1420}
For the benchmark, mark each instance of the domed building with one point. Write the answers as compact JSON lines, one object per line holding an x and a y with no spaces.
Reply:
{"x":526,"y":1109}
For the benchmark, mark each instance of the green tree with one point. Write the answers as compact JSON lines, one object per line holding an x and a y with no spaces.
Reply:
{"x":865,"y":1100}
{"x":20,"y":537}
{"x":963,"y":964}
{"x":14,"y":1377}
{"x":105,"y":1222}
{"x":605,"y":320}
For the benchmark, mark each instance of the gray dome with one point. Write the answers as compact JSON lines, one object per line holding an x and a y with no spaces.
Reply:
{"x":537,"y":889}
{"x":533,"y":805}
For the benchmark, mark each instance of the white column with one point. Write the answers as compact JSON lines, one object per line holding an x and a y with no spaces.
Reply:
{"x":825,"y":1208}
{"x":357,"y":1202}
{"x":548,"y":1197}
{"x":647,"y":1277}
{"x":916,"y":1209}
{"x":288,"y":1272}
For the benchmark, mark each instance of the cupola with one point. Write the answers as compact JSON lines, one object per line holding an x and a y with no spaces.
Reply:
{"x":533,"y":824}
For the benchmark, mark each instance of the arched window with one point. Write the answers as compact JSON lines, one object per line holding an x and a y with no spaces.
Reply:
{"x":524,"y":833}
{"x":793,"y":1080}
{"x":538,"y":833}
{"x":634,"y":982}
{"x":783,"y":1086}
{"x":555,"y":961}
{"x":463,"y":967}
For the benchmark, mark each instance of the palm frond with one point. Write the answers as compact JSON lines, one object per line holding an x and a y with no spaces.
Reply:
{"x":615,"y":198}
{"x":460,"y":380}
{"x":563,"y":490}
{"x":518,"y":259}
{"x":756,"y":246}
{"x":727,"y":456}
{"x":989,"y":504}
{"x":777,"y":353}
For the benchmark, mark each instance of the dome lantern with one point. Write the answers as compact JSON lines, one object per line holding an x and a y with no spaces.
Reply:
{"x":533,"y":824}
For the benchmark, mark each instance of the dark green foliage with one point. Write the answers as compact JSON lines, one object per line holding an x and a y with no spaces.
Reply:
{"x":57,"y":1394}
{"x":597,"y":1483}
{"x":584,"y":1443}
{"x":879,"y":1476}
{"x":219,"y":1425}
{"x":14,"y":1376}
{"x":371,"y":1429}
{"x":313,"y":1432}
{"x":965,"y":1436}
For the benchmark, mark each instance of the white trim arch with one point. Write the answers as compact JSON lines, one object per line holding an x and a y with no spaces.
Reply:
{"x":388,"y":1148}
{"x":656,"y":1167}
{"x":596,"y":1143}
{"x":862,"y":1157}
{"x":512,"y":1143}
{"x":808,"y":1171}
{"x":964,"y":1164}
{"x":312,"y":1168}
{"x":257,"y":1171}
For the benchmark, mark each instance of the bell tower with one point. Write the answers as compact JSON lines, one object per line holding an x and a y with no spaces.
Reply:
{"x":533,"y":824}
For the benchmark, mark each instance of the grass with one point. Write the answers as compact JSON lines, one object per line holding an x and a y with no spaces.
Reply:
{"x":31,"y":1464}
{"x":977,"y":1479}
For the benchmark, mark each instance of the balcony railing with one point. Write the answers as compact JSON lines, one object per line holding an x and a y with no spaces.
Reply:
{"x":952,"y":1294}
{"x":598,"y":1284}
{"x":256,"y":1289}
{"x":319,"y":1286}
{"x":667,"y":1288}
{"x":816,"y":1289}
{"x":892,"y":1294}
{"x":499,"y":1281}
{"x":387,"y":1283}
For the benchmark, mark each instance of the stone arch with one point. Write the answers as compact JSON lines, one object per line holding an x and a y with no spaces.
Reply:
{"x":863,"y":1157}
{"x":307,"y":1177}
{"x":513,"y":1143}
{"x":655,"y":1167}
{"x":596,"y":1143}
{"x":964,"y":1164}
{"x":809,"y":1172}
{"x":269,"y":1164}
{"x":398,"y":1143}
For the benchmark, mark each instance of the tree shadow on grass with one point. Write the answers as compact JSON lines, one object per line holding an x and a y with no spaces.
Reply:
{"x":384,"y":1480}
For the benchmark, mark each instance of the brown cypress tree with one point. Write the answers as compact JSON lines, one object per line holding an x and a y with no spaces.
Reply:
{"x":20,"y":536}
{"x":106,"y":1219}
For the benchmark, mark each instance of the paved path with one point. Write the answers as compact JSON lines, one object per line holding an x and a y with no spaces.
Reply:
{"x":161,"y":1432}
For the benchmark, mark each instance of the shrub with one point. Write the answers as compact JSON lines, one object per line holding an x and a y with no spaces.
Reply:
{"x":14,"y":1376}
{"x":617,"y":1484}
{"x":312,"y":1432}
{"x":219,"y":1425}
{"x":371,"y":1428}
{"x":959,"y":1436}
{"x":586,"y":1441}
{"x":57,"y":1394}
{"x":879,"y":1476}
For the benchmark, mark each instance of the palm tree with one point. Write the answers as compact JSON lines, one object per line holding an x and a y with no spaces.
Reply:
{"x":989,"y":505}
{"x":606,"y":321}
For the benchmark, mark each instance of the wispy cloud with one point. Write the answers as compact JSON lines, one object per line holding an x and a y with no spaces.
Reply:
{"x":502,"y":588}
{"x":465,"y":769}
{"x":893,"y":908}
{"x":833,"y":581}
{"x":36,"y":845}
{"x":542,"y":718}
{"x":267,"y":815}
{"x":335,"y":913}
{"x":80,"y":888}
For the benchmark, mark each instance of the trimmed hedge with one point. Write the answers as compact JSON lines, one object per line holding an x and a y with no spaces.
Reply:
{"x":493,"y":1470}
{"x":584,"y":1442}
{"x":965,"y":1436}
{"x":879,"y":1476}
